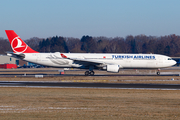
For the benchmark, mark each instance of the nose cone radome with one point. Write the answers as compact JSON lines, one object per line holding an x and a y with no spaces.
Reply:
{"x":173,"y":62}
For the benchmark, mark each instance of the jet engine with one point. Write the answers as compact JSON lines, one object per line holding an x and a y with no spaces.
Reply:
{"x":112,"y":68}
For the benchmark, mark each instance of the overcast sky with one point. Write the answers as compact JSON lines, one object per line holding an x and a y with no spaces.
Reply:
{"x":75,"y":18}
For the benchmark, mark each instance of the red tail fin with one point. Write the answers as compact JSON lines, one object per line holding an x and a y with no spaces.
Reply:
{"x":17,"y":44}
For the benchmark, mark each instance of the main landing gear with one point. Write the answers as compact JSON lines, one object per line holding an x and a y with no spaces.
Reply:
{"x":91,"y":73}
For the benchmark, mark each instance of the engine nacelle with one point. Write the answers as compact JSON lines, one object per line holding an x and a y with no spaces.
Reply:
{"x":112,"y":68}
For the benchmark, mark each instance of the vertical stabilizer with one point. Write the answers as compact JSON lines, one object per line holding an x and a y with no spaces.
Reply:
{"x":17,"y":44}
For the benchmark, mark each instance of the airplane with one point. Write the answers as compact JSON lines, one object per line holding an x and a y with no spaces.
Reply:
{"x":110,"y":62}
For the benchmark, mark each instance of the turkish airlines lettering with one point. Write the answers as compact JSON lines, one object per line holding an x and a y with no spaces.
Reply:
{"x":108,"y":62}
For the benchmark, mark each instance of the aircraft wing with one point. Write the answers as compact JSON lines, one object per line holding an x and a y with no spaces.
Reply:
{"x":85,"y":62}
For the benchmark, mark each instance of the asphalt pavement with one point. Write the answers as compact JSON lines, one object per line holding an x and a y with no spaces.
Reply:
{"x":89,"y":85}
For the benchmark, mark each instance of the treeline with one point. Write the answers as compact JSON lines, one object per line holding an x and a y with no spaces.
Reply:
{"x":4,"y":46}
{"x":166,"y":45}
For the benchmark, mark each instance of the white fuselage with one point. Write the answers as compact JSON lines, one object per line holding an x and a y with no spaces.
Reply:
{"x":134,"y":61}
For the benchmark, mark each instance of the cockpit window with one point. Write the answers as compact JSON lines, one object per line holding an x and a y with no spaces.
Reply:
{"x":169,"y":58}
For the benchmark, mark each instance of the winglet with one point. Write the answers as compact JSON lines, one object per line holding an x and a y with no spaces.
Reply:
{"x":17,"y":44}
{"x":63,"y":56}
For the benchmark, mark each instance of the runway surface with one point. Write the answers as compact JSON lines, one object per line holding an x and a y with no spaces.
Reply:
{"x":49,"y":72}
{"x":89,"y":85}
{"x":48,"y":75}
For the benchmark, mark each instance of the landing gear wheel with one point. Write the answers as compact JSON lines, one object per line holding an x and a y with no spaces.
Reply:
{"x":158,"y":73}
{"x":91,"y":73}
{"x":87,"y":73}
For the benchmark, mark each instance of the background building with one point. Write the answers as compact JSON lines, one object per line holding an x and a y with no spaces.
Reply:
{"x":4,"y":59}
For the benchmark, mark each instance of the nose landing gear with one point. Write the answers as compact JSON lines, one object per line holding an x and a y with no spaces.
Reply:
{"x":158,"y":72}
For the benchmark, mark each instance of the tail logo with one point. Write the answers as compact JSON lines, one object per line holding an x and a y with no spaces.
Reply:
{"x":18,"y":46}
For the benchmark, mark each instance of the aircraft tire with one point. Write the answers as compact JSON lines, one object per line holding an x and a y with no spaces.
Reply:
{"x":91,"y":73}
{"x":87,"y":73}
{"x":158,"y":73}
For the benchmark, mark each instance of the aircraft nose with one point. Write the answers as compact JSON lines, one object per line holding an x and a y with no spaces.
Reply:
{"x":173,"y":62}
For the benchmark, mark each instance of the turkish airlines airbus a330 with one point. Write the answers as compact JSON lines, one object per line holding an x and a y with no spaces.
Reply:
{"x":110,"y":62}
